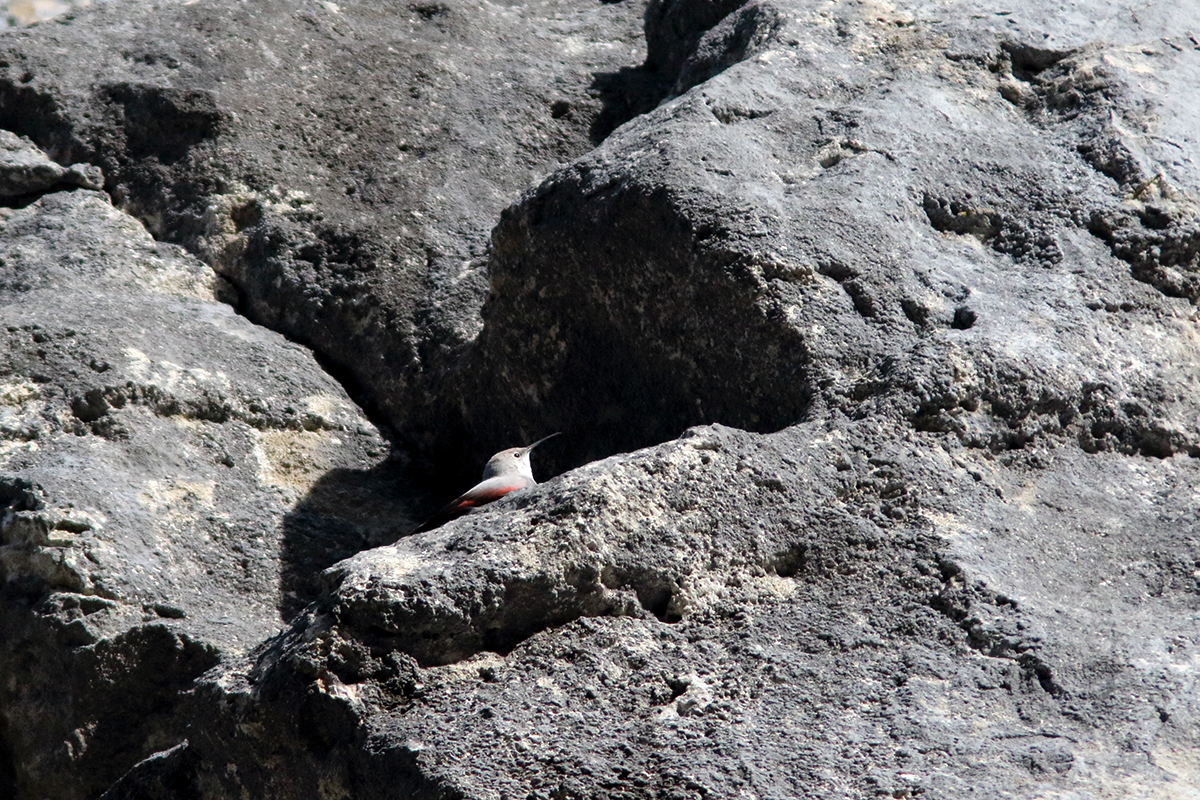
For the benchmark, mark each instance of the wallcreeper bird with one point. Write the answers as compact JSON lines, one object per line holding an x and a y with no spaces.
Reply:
{"x":507,"y":471}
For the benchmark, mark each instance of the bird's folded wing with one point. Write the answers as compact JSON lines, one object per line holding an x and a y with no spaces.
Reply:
{"x":479,"y":495}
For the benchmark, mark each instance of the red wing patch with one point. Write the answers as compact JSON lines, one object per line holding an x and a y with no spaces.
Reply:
{"x":472,"y":499}
{"x":481,"y":497}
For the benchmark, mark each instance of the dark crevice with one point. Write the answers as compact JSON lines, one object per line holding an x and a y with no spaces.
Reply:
{"x":624,"y":95}
{"x":8,"y":763}
{"x":1045,"y":676}
{"x":656,"y":598}
{"x":688,"y":42}
{"x":674,"y":28}
{"x":429,"y":11}
{"x":683,"y":372}
{"x":163,"y":123}
{"x":34,"y":114}
{"x":964,"y":318}
{"x":677,"y":685}
{"x":1028,"y":61}
{"x":789,"y":563}
{"x":1161,"y":249}
{"x":836,"y":270}
{"x":1155,"y":218}
{"x":855,"y":289}
{"x":26,"y":200}
{"x":359,"y":393}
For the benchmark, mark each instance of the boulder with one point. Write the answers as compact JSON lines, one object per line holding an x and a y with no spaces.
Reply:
{"x":871,"y":334}
{"x":153,"y":443}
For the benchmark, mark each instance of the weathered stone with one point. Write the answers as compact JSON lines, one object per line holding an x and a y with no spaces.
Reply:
{"x":26,"y":170}
{"x":793,"y":237}
{"x":152,"y":442}
{"x":878,"y":334}
{"x":341,"y":164}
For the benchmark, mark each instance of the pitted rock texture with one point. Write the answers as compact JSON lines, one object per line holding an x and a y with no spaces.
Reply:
{"x":340,"y":164}
{"x":875,"y":328}
{"x":152,"y":442}
{"x":796,"y":235}
{"x":834,"y":608}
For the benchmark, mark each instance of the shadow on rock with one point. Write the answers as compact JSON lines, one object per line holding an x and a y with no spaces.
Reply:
{"x":344,"y":512}
{"x":627,"y":93}
{"x":8,"y":772}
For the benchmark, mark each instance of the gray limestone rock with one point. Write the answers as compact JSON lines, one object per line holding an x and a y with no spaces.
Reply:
{"x":25,"y":170}
{"x":871,"y":333}
{"x":341,"y":164}
{"x":151,"y":443}
{"x":795,"y":236}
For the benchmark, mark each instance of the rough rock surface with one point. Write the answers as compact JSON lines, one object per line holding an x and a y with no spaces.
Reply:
{"x":898,"y":305}
{"x":152,"y":442}
{"x":341,"y":164}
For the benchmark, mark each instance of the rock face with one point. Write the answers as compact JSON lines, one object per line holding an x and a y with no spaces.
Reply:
{"x":872,"y":334}
{"x":343,"y":164}
{"x":153,"y":442}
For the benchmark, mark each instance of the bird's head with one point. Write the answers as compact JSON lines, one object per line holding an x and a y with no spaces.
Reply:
{"x":513,"y":461}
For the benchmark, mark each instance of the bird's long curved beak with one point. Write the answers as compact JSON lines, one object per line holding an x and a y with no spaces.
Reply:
{"x":527,"y":448}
